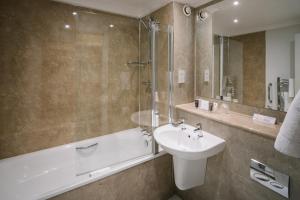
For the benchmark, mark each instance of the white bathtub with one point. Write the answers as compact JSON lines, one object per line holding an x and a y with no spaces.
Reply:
{"x":47,"y":173}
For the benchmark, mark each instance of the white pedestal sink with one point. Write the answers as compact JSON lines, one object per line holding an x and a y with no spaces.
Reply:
{"x":189,"y":151}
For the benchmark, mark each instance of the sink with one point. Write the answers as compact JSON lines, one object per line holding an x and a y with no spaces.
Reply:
{"x":186,"y":144}
{"x":190,"y":150}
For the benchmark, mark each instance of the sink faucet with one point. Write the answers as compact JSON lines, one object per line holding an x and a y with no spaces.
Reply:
{"x":199,"y":130}
{"x":176,"y":124}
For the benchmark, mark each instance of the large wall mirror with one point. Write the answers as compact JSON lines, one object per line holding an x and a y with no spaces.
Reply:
{"x":254,"y":52}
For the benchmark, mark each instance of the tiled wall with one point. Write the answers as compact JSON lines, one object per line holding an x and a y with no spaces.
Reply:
{"x":183,"y":55}
{"x":203,"y":56}
{"x":227,"y":175}
{"x":254,"y":68}
{"x":61,"y":85}
{"x":150,"y":181}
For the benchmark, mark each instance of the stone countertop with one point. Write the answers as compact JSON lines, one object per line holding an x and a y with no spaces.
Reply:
{"x":234,"y":119}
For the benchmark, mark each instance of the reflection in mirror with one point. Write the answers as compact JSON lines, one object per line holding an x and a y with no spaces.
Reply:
{"x":254,"y":58}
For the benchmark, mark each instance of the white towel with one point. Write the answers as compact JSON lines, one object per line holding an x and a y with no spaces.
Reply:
{"x":288,"y":139}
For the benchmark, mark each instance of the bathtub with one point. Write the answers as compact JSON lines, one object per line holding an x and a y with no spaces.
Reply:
{"x":50,"y":172}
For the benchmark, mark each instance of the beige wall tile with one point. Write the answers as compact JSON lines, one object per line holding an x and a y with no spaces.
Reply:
{"x":228,"y":172}
{"x":62,"y":85}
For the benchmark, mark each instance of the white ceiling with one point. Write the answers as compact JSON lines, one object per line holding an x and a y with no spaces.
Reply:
{"x":132,"y":8}
{"x":254,"y":15}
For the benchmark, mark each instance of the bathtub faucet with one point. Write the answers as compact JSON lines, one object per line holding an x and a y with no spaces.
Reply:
{"x":145,"y":132}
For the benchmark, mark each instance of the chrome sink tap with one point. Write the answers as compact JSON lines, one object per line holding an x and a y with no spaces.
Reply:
{"x":176,"y":124}
{"x":199,"y":130}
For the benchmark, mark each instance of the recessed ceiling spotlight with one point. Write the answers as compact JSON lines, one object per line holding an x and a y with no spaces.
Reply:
{"x":236,"y":3}
{"x":74,"y":13}
{"x":235,"y":20}
{"x":67,"y":26}
{"x":111,"y":26}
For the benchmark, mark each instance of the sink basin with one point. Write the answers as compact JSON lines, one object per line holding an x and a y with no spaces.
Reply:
{"x":190,"y":150}
{"x":186,"y":144}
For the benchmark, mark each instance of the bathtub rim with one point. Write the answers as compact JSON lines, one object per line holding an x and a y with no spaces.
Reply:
{"x":97,"y":174}
{"x":58,"y":147}
{"x":113,"y":169}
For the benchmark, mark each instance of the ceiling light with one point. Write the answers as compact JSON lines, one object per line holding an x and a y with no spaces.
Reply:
{"x":235,"y":20}
{"x":67,"y":26}
{"x":74,"y":13}
{"x":111,"y":26}
{"x":236,"y":3}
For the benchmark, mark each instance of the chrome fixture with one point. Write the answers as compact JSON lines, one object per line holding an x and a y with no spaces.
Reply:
{"x":199,"y":130}
{"x":282,"y":88}
{"x":199,"y":127}
{"x":176,"y":124}
{"x":145,"y":131}
{"x":270,"y":178}
{"x":87,"y":147}
{"x":269,"y":93}
{"x":150,"y":21}
{"x":137,"y":63}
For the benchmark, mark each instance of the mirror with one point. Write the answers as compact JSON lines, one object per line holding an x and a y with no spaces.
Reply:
{"x":254,"y":54}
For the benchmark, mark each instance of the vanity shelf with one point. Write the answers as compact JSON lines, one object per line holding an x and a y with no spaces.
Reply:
{"x":234,"y":119}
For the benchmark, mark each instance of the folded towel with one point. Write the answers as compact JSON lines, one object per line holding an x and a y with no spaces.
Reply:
{"x":288,"y":139}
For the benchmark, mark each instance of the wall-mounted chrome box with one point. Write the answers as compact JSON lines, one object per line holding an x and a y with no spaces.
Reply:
{"x":272,"y":179}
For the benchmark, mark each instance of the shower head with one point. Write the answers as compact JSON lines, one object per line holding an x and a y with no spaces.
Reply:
{"x":142,"y":21}
{"x":151,"y":21}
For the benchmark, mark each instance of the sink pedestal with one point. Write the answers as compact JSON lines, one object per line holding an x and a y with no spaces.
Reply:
{"x":190,"y":152}
{"x":189,"y":173}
